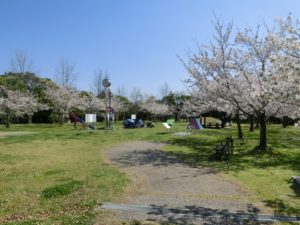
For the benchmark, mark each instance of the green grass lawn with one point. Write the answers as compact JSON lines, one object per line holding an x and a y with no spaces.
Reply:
{"x":57,"y":175}
{"x":266,"y":174}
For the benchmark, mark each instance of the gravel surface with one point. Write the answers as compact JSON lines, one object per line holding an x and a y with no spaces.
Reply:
{"x":165,"y":181}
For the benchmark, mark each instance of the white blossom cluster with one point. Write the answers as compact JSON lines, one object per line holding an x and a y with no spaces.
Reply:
{"x":16,"y":103}
{"x":154,"y":107}
{"x":256,"y":72}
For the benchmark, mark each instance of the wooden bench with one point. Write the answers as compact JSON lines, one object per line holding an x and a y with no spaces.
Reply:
{"x":224,"y":150}
{"x":210,"y":125}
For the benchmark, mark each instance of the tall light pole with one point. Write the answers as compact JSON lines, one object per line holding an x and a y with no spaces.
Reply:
{"x":108,"y":109}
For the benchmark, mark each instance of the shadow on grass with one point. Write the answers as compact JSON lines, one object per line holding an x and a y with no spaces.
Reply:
{"x":201,"y":151}
{"x":273,"y":158}
{"x":280,"y":207}
{"x":201,"y":154}
{"x":296,"y":188}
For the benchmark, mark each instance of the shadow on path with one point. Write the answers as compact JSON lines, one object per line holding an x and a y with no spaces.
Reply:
{"x":147,"y":157}
{"x":155,"y":158}
{"x":192,"y":215}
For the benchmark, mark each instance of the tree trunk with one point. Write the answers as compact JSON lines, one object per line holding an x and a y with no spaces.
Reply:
{"x":7,"y":121}
{"x":263,"y":132}
{"x":223,"y":123}
{"x":257,"y":124}
{"x":285,"y":122}
{"x":251,"y":129}
{"x":238,"y":121}
{"x":61,"y":119}
{"x":7,"y":124}
{"x":29,"y":119}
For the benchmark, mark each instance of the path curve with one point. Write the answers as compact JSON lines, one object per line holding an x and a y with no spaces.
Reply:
{"x":163,"y":180}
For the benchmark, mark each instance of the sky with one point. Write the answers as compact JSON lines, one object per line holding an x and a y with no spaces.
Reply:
{"x":138,"y":42}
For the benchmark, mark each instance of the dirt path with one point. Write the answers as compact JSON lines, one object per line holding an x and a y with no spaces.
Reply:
{"x":15,"y":133}
{"x":165,"y":181}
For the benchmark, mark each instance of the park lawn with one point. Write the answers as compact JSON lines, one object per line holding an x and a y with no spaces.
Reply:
{"x":57,"y":175}
{"x":268,"y":175}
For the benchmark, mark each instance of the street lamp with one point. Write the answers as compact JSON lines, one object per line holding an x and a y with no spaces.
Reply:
{"x":109,"y":117}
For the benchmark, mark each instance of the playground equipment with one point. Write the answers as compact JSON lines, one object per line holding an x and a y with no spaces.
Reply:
{"x":169,"y":124}
{"x":75,"y":119}
{"x":195,"y":124}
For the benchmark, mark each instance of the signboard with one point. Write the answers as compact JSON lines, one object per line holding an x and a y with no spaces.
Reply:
{"x":90,"y":118}
{"x":133,"y":116}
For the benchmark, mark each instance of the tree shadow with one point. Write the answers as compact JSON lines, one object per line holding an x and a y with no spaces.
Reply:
{"x":195,"y":214}
{"x":152,"y":157}
{"x":202,"y":154}
{"x":201,"y":151}
{"x":280,"y":207}
{"x":296,"y":188}
{"x":147,"y":157}
{"x":273,"y":158}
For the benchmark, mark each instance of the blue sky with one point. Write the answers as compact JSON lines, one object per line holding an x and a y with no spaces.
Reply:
{"x":135,"y":41}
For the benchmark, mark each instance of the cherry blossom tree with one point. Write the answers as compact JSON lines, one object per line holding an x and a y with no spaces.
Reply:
{"x":16,"y":103}
{"x":288,"y":63}
{"x":91,"y":103}
{"x":64,"y":100}
{"x":31,"y":106}
{"x":120,"y":105}
{"x":154,"y":108}
{"x":191,"y":108}
{"x":240,"y":72}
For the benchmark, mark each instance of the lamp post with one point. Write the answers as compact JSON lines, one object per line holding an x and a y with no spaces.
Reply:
{"x":109,"y":117}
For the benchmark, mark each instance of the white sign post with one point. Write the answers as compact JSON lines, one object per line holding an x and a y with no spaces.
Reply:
{"x":90,"y":118}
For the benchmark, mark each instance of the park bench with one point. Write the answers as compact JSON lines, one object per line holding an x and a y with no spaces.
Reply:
{"x":224,"y":150}
{"x":210,"y":125}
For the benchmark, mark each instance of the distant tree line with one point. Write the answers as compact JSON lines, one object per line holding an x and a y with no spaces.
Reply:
{"x":28,"y":98}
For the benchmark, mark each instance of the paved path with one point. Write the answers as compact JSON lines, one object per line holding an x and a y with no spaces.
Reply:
{"x":162,"y":180}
